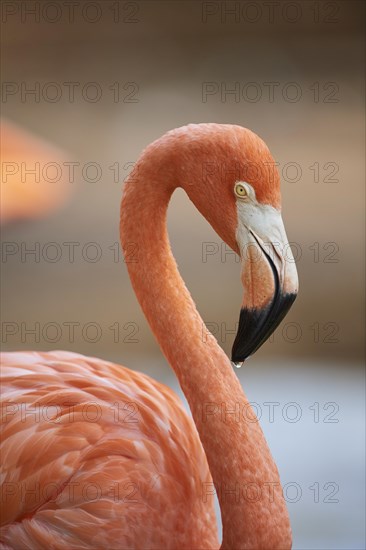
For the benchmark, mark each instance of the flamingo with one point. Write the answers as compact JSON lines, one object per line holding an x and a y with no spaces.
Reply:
{"x":33,"y":183}
{"x":97,"y":456}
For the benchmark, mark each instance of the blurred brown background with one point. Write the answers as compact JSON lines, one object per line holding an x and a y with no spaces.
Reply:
{"x":109,"y":77}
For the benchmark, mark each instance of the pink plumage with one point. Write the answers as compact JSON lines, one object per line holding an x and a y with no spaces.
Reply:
{"x":97,"y":456}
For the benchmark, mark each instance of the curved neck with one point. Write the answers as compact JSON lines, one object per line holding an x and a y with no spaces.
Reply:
{"x":246,"y":479}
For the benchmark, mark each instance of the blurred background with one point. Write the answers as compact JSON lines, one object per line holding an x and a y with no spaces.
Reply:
{"x":85,"y":88}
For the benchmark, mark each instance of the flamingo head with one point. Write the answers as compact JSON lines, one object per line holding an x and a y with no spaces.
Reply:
{"x":238,"y":192}
{"x":268,"y":274}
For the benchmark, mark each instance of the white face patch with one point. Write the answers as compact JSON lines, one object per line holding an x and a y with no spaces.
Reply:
{"x":261,"y":225}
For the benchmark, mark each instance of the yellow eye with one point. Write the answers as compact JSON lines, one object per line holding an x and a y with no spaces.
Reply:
{"x":240,"y":190}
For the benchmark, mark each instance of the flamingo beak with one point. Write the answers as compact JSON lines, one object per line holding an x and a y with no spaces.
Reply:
{"x":270,"y":283}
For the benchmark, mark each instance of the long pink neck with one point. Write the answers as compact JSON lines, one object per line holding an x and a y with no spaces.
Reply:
{"x":246,"y":479}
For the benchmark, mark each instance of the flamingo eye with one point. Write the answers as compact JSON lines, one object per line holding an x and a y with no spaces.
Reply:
{"x":240,"y":190}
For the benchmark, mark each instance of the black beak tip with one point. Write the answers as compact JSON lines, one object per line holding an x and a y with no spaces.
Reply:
{"x":256,"y":325}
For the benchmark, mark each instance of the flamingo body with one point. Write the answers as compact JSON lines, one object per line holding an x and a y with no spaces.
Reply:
{"x":91,"y":452}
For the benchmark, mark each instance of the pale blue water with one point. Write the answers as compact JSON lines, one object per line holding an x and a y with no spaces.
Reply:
{"x":314,"y":421}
